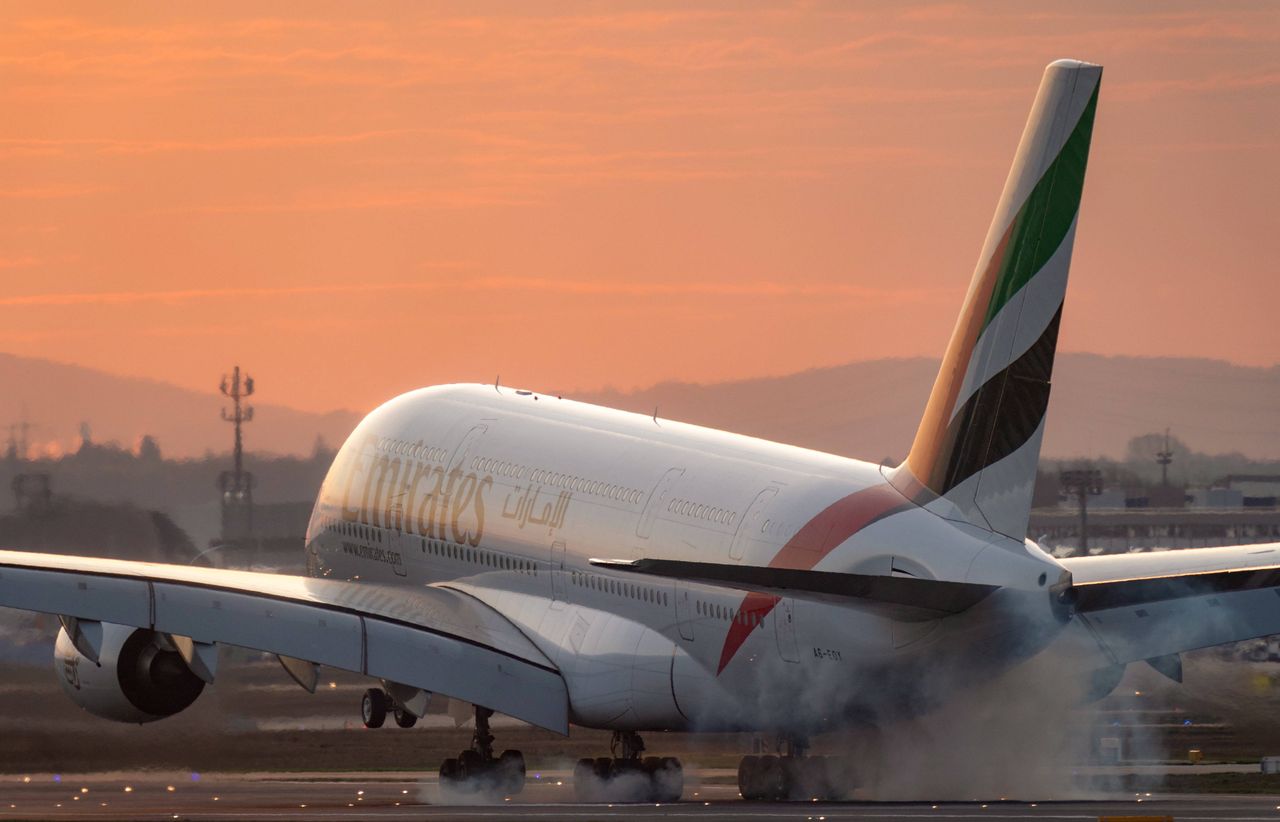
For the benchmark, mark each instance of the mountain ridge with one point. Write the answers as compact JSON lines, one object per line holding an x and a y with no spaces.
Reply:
{"x":867,"y":409}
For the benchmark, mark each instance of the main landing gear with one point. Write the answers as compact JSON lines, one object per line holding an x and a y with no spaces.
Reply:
{"x":477,"y":771}
{"x":627,"y":776}
{"x":375,"y":706}
{"x":794,"y":775}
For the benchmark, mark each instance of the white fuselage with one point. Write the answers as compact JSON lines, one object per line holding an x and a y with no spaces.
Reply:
{"x":507,"y":495}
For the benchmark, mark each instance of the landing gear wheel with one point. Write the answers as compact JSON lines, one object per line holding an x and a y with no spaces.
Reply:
{"x":373,"y":708}
{"x":772,"y":779}
{"x":470,"y":765}
{"x":403,"y":718}
{"x":749,"y":778}
{"x":668,"y":780}
{"x":585,"y":784}
{"x":629,"y":777}
{"x":512,"y":771}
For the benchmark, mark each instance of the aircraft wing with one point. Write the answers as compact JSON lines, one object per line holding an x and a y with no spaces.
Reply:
{"x":436,"y":639}
{"x":1150,"y":605}
{"x":906,"y":598}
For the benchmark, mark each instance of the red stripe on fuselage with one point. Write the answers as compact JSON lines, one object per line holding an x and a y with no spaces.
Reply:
{"x":815,"y":539}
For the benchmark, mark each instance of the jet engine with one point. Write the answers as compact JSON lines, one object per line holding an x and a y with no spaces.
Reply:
{"x":139,"y":675}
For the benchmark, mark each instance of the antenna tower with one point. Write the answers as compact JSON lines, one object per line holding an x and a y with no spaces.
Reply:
{"x":1164,"y":457}
{"x":237,"y":485}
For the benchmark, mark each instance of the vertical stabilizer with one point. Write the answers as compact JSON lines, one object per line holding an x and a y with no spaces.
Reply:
{"x":976,"y":451}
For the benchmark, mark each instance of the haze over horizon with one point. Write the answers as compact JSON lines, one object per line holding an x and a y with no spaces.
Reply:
{"x":355,"y":201}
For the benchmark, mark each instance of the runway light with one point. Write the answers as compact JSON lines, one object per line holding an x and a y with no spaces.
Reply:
{"x":57,"y":777}
{"x":333,"y":684}
{"x":359,"y":793}
{"x":26,"y":780}
{"x":84,"y":790}
{"x":75,"y":799}
{"x":170,"y":789}
{"x":195,"y":777}
{"x":215,"y":799}
{"x":404,"y":791}
{"x":128,"y":789}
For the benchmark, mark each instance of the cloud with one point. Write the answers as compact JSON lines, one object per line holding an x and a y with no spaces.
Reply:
{"x":585,"y":288}
{"x":55,"y":191}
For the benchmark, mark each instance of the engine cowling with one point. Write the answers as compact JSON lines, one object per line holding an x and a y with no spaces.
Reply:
{"x":139,"y":676}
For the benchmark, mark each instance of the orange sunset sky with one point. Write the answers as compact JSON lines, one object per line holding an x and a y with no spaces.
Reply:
{"x":357,"y":199}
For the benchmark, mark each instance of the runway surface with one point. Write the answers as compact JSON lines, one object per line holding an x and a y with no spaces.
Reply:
{"x":549,"y":796}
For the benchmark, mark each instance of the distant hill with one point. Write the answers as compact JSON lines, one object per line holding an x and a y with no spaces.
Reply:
{"x":863,"y":409}
{"x":870,"y":409}
{"x":185,"y":423}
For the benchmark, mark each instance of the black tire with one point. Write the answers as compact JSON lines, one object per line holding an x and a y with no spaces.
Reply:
{"x":470,"y":766}
{"x":511,"y":766}
{"x":749,"y":777}
{"x":668,"y":781}
{"x":449,"y":770}
{"x":373,"y":708}
{"x":586,"y":786}
{"x":403,"y":718}
{"x":772,"y":779}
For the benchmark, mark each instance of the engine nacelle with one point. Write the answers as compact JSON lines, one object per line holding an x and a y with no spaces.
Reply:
{"x":139,"y":676}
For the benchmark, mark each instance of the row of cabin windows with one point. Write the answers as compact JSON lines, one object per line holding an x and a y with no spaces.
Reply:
{"x":642,"y":593}
{"x":355,"y":530}
{"x":586,"y":486}
{"x":753,"y":619}
{"x":463,"y":553}
{"x":489,"y":465}
{"x":688,"y":508}
{"x":400,"y":448}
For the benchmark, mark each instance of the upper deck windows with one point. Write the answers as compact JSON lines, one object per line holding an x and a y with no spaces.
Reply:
{"x":497,"y":467}
{"x":697,"y":510}
{"x":410,"y":450}
{"x":588,"y":487}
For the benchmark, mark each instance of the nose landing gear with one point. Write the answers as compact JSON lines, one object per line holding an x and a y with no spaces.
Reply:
{"x":628,"y":776}
{"x":477,"y":771}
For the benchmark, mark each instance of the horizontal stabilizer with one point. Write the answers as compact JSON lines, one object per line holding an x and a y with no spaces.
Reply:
{"x":1151,"y":605}
{"x":900,"y":597}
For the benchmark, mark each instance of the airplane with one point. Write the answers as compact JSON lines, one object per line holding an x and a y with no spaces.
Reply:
{"x":566,"y":564}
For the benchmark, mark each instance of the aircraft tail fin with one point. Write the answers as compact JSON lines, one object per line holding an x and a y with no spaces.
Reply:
{"x":979,"y":441}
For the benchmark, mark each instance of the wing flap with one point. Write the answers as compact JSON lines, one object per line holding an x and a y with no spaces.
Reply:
{"x":436,"y":639}
{"x":905,"y":598}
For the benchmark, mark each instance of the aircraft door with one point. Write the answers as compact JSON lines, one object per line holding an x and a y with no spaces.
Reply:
{"x":684,"y":610}
{"x":749,"y":525}
{"x":657,"y":498}
{"x":784,"y":620}
{"x":462,"y":454}
{"x":399,"y":544}
{"x":557,"y":574}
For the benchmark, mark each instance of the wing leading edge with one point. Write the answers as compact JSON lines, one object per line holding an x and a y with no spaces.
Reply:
{"x":437,"y":639}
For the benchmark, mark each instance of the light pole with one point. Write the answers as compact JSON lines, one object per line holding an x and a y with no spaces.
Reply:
{"x":1083,"y":483}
